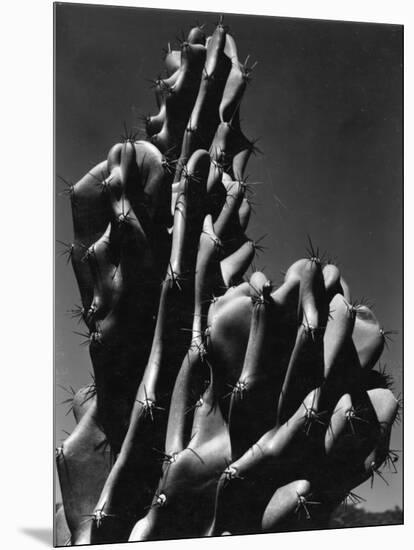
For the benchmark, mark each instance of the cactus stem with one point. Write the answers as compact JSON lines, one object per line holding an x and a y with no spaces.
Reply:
{"x":201,"y":110}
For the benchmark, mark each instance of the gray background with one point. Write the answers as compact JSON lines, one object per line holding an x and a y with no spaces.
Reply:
{"x":326,"y":102}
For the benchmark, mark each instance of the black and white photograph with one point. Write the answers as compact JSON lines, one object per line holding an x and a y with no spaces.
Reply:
{"x":228,"y":256}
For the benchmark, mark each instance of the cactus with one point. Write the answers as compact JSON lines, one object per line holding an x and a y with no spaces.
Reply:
{"x":220,"y":403}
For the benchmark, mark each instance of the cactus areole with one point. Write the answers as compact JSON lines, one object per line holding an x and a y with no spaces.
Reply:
{"x":221,"y":403}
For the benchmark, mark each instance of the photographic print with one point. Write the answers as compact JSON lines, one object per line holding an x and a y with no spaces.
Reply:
{"x":228,"y":274}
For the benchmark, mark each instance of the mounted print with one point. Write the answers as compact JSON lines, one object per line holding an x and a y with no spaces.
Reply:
{"x":228,"y":219}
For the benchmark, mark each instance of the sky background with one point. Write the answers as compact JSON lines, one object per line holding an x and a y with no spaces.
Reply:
{"x":325,"y":101}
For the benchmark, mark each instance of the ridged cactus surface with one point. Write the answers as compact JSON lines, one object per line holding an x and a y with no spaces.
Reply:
{"x":221,"y":403}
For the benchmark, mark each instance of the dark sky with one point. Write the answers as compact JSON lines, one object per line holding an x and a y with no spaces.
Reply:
{"x":326,"y":103}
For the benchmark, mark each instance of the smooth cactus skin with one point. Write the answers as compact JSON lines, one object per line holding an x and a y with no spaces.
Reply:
{"x":220,"y":404}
